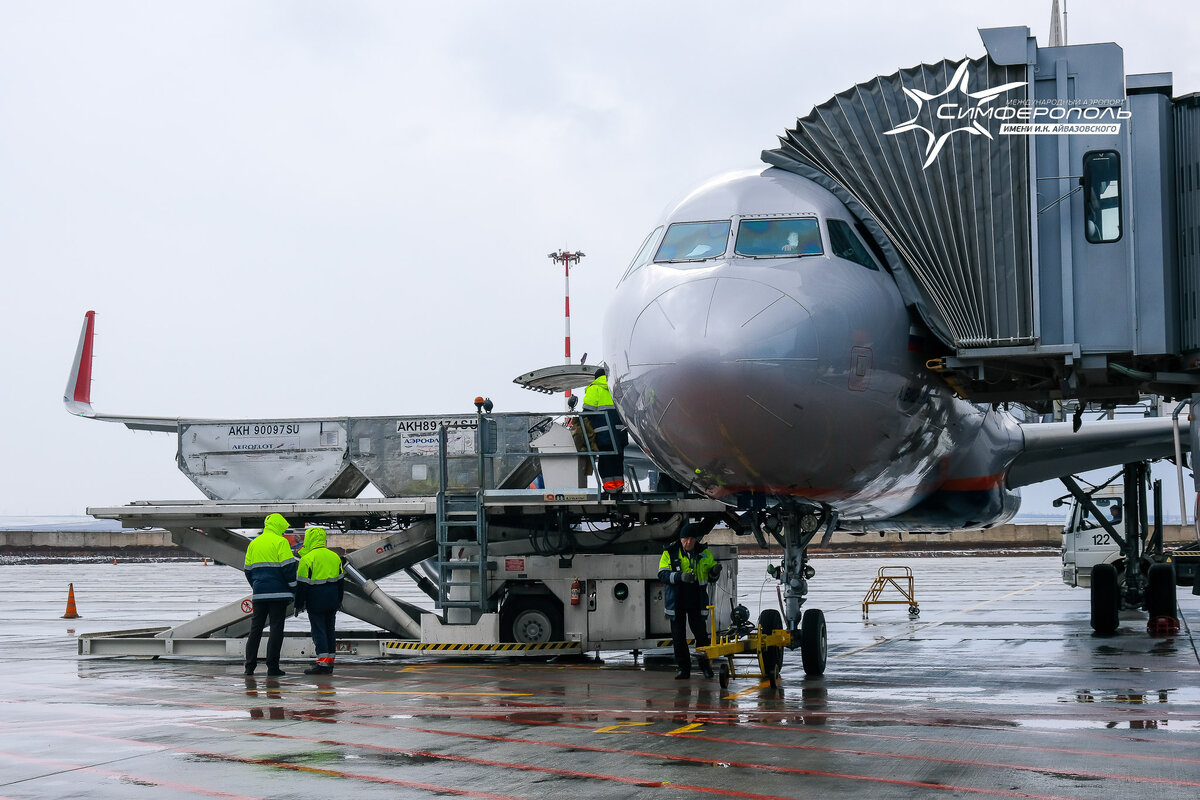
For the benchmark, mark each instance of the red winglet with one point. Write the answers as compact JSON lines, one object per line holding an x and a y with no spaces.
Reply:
{"x":78,"y":394}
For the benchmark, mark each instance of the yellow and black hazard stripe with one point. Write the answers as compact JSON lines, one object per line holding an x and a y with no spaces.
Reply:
{"x":500,"y":647}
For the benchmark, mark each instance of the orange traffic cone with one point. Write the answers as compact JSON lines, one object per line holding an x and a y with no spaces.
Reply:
{"x":71,"y":612}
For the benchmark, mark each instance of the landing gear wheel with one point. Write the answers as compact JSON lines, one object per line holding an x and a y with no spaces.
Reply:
{"x":914,"y":612}
{"x":723,"y":675}
{"x":531,"y":619}
{"x":770,"y":621}
{"x":1160,"y":593}
{"x":1106,"y":599}
{"x":813,"y":642}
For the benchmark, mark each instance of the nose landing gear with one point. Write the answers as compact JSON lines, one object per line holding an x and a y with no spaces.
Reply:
{"x":794,"y":526}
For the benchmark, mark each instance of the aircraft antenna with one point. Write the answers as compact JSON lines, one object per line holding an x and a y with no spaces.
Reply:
{"x":567,"y":259}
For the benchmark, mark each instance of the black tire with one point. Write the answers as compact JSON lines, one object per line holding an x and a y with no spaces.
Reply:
{"x":770,"y":621}
{"x":1106,"y":599}
{"x":814,"y":643}
{"x":1160,"y":593}
{"x":531,"y":619}
{"x":723,"y":674}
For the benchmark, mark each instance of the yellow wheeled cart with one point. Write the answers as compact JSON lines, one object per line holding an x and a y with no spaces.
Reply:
{"x":764,"y":642}
{"x":901,"y":578}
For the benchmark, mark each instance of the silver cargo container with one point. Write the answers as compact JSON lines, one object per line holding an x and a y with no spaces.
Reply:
{"x":306,"y":459}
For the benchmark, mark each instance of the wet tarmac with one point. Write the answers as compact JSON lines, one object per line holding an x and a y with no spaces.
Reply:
{"x":998,"y":689}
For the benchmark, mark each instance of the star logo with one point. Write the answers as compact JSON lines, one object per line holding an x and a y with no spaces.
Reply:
{"x":972,"y":100}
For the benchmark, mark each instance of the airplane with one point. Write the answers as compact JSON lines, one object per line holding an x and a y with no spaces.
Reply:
{"x":760,"y":353}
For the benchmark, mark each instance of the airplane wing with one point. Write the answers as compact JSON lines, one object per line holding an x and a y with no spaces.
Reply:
{"x":78,"y":395}
{"x":1054,"y":449}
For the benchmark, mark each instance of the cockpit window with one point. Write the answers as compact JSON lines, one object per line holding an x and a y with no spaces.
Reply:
{"x":778,"y":238}
{"x":643,"y":254}
{"x":845,"y":244}
{"x":694,"y":241}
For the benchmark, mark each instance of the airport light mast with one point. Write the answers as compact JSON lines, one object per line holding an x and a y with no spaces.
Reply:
{"x":568,"y":260}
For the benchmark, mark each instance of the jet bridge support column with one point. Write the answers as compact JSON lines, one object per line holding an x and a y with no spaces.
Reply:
{"x":1135,"y":527}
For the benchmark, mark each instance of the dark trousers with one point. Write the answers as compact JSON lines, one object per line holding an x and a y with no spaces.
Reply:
{"x":693,"y":617}
{"x":610,"y":464}
{"x":276,"y":611}
{"x":322,"y":623}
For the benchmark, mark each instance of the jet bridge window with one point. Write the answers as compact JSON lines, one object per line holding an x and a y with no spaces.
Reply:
{"x":778,"y":238}
{"x":1102,"y":196}
{"x":694,"y":241}
{"x":845,"y":244}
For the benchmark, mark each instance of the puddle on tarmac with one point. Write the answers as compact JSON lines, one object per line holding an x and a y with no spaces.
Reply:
{"x":1131,"y":698}
{"x":1101,"y":724}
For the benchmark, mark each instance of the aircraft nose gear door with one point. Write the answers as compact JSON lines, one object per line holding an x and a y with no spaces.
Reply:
{"x":794,"y":526}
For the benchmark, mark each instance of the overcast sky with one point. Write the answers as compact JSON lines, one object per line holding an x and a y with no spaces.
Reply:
{"x":293,"y":209}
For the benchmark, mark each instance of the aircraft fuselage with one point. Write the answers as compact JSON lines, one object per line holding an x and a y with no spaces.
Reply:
{"x":759,"y":372}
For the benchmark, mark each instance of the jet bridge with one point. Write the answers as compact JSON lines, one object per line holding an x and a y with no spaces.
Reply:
{"x":1039,"y":208}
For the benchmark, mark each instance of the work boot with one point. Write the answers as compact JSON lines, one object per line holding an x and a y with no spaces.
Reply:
{"x":682,"y":675}
{"x":249,"y":669}
{"x":707,"y":669}
{"x":319,"y":669}
{"x":275,"y":672}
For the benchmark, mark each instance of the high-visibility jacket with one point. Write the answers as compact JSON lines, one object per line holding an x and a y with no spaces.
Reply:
{"x":601,"y":412}
{"x":676,"y":562}
{"x":597,"y":397}
{"x":319,"y":578}
{"x":270,"y":565}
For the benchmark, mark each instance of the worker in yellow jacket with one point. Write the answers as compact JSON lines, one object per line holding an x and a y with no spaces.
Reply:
{"x":271,"y":570}
{"x":611,"y":437}
{"x":319,"y":590}
{"x":687,"y":567}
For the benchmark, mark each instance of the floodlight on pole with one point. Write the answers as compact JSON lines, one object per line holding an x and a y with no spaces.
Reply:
{"x":567,"y":259}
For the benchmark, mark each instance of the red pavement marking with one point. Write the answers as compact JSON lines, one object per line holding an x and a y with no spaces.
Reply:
{"x":559,"y":710}
{"x":530,"y":767}
{"x":267,"y":762}
{"x":765,"y":767}
{"x":64,"y":766}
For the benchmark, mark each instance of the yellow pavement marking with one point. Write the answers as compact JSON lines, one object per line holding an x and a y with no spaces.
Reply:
{"x":693,"y":728}
{"x":619,"y":726}
{"x":751,"y":690}
{"x":935,"y":624}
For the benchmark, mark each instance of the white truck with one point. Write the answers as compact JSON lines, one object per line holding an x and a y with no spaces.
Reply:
{"x":1085,"y":542}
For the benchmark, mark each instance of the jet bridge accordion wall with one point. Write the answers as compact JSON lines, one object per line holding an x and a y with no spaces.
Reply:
{"x":1187,"y":160}
{"x":947,"y":201}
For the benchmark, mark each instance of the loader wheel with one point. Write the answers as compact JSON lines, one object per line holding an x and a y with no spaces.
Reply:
{"x":530,"y":619}
{"x":723,"y":674}
{"x":1106,"y":599}
{"x":772,"y":657}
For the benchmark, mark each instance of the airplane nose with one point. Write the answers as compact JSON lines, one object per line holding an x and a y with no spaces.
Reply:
{"x":711,"y":362}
